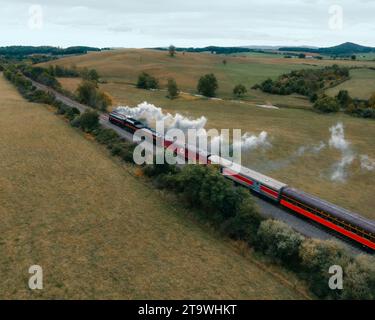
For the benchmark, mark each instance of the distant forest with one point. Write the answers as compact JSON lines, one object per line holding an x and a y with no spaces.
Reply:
{"x":22,"y":51}
{"x":214,"y":49}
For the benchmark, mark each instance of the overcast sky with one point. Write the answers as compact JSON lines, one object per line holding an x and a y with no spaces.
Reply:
{"x":149,"y":23}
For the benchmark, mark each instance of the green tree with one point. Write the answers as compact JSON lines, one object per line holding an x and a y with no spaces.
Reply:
{"x":146,"y":81}
{"x":86,"y":93}
{"x":317,"y":256}
{"x":239,"y":90}
{"x":360,"y":279}
{"x":343,"y":98}
{"x":245,"y":223}
{"x":102,"y":100}
{"x":371,"y":101}
{"x":327,"y":104}
{"x":172,"y":50}
{"x":279,"y":241}
{"x":89,"y":94}
{"x":173,"y":91}
{"x":208,"y":85}
{"x":93,"y":75}
{"x":354,"y":57}
{"x":87,"y":121}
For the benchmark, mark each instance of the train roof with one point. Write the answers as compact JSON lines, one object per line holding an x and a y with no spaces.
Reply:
{"x":336,"y":211}
{"x":118,"y":115}
{"x":152,"y":131}
{"x":246,"y":172}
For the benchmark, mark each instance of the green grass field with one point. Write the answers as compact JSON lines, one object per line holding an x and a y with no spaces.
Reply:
{"x":100,"y":231}
{"x":361,"y":85}
{"x":123,"y":67}
{"x":289,"y":129}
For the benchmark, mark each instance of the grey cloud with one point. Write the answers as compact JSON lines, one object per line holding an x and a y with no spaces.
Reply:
{"x":189,"y":23}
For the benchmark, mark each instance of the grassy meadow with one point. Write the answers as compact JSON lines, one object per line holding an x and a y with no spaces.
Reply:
{"x":99,"y":230}
{"x":361,"y":85}
{"x":289,"y":129}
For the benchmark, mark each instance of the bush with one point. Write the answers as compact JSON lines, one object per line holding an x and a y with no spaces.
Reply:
{"x":71,"y":113}
{"x":145,"y":81}
{"x":206,"y":188}
{"x":279,"y":241}
{"x":89,"y":94}
{"x":88,"y":121}
{"x":41,"y":75}
{"x":244,"y":225}
{"x":359,"y":278}
{"x":123,"y":149}
{"x":239,"y":90}
{"x":154,"y":170}
{"x":344,"y":99}
{"x":103,"y":101}
{"x":317,"y":256}
{"x":327,"y":104}
{"x":172,"y":89}
{"x":40,"y":97}
{"x":106,"y":136}
{"x":207,"y":85}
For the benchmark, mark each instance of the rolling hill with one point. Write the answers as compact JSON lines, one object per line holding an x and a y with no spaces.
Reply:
{"x":343,"y":49}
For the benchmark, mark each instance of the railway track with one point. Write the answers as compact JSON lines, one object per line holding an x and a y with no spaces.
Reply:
{"x":266,"y":208}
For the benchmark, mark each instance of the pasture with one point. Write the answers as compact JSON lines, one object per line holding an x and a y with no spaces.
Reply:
{"x":361,"y":85}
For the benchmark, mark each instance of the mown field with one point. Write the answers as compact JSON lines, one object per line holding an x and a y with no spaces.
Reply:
{"x":100,"y":231}
{"x":289,"y":129}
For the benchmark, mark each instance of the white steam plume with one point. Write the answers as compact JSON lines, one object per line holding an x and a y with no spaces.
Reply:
{"x":150,"y":114}
{"x":251,"y":141}
{"x":367,"y":163}
{"x":315,"y":149}
{"x":338,"y":142}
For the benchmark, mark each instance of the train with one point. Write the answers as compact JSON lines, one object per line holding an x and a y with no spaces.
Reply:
{"x":342,"y":222}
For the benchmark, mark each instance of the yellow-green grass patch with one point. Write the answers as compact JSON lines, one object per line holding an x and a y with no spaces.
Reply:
{"x":361,"y":85}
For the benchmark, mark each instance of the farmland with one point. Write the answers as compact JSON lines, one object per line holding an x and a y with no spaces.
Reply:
{"x":99,"y":230}
{"x":361,"y":85}
{"x":291,"y":128}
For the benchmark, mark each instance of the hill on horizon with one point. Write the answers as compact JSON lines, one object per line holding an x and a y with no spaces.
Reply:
{"x":346,"y":48}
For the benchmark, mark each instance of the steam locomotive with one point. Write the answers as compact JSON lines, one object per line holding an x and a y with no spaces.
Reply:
{"x":341,"y":221}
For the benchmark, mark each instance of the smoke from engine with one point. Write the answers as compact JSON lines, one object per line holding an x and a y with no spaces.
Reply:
{"x":367,"y":163}
{"x":338,"y":141}
{"x":149,"y":114}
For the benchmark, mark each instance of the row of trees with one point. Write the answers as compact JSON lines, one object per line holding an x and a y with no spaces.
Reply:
{"x":207,"y":85}
{"x":88,"y":91}
{"x":73,"y":72}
